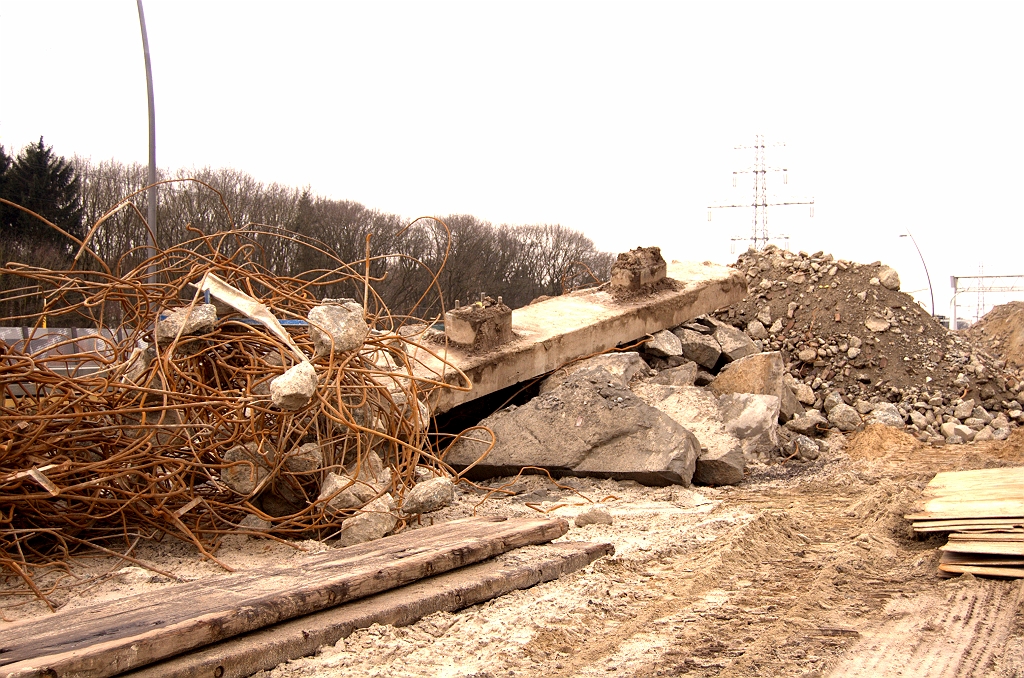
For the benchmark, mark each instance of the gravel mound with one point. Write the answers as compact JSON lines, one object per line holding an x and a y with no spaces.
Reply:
{"x":845,"y":329}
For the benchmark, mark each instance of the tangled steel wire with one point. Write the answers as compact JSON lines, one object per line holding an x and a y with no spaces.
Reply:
{"x":107,"y":433}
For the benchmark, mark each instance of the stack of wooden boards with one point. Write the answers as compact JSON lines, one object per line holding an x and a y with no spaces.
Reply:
{"x":237,"y":624}
{"x":983,"y":511}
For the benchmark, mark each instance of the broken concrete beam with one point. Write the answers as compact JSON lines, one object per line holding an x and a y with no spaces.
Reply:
{"x":482,"y":325}
{"x":638,"y":268}
{"x":589,"y":425}
{"x":554,"y":332}
{"x":337,"y":326}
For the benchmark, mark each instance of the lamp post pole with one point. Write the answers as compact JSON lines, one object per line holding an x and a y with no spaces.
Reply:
{"x":152,"y":194}
{"x":926,"y":275}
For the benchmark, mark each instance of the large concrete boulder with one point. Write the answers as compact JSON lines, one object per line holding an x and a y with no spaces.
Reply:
{"x":698,"y":347}
{"x":734,"y":342}
{"x":720,"y":467}
{"x":844,"y":417}
{"x":697,"y":410}
{"x":590,"y":425}
{"x":759,"y":373}
{"x":337,"y":326}
{"x":753,"y":418}
{"x":623,"y":367}
{"x":683,"y":375}
{"x":664,"y":344}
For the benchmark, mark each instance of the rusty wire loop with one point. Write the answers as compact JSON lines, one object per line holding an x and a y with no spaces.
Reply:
{"x":109,"y":435}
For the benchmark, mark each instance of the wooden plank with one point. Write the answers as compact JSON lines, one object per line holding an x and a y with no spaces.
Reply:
{"x":1016,"y":572}
{"x":980,"y":559}
{"x":942,"y":509}
{"x":956,"y":480}
{"x":264,"y":649}
{"x":1014,"y":548}
{"x":964,"y":524}
{"x":110,"y":638}
{"x":988,"y":536}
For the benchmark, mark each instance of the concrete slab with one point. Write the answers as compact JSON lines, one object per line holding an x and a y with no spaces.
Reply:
{"x":550,"y":333}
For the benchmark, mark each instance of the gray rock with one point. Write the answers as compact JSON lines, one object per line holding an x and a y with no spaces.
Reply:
{"x":700,"y":348}
{"x":876,"y":324}
{"x":247,"y":468}
{"x":919,"y":420}
{"x":759,"y":373}
{"x":964,"y":409}
{"x":764,"y":315}
{"x":664,"y":344}
{"x":429,"y":495}
{"x":200,"y":320}
{"x":844,"y":417}
{"x":803,"y":393}
{"x":964,"y":432}
{"x":863,"y":407}
{"x":595,"y":514}
{"x":807,"y":355}
{"x":887,"y":414}
{"x":295,"y":388}
{"x":304,"y":459}
{"x":756,"y":330}
{"x":677,"y":376}
{"x":984,"y":434}
{"x":831,"y":400}
{"x":720,"y":467}
{"x":585,"y":427}
{"x":810,"y":422}
{"x":338,"y":326}
{"x":889,"y":278}
{"x":734,"y":342}
{"x":623,"y":367}
{"x":374,"y":521}
{"x":947,"y":429}
{"x":802,"y":448}
{"x":342,"y":491}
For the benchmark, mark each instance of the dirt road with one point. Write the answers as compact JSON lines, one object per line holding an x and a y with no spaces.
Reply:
{"x":804,"y":570}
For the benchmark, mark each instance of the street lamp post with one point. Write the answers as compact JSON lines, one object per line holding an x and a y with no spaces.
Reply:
{"x":152,"y":194}
{"x":926,"y":275}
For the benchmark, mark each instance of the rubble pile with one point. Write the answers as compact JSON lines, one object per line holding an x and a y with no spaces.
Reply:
{"x":857,"y":350}
{"x":1001,"y":332}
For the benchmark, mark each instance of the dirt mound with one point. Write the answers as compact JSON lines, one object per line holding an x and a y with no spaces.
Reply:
{"x":877,"y":440}
{"x":1001,"y":332}
{"x":844,"y":326}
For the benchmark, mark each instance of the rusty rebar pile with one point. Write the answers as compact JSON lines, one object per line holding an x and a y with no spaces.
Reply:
{"x":125,"y":435}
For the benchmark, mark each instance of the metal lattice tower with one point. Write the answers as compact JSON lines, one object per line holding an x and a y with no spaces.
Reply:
{"x":760,"y":237}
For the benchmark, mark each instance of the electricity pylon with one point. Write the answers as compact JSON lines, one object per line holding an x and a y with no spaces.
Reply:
{"x":759,"y":237}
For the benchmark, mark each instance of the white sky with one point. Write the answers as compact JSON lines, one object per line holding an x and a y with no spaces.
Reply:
{"x":615,"y":118}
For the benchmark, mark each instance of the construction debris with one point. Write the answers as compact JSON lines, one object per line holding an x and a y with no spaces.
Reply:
{"x":209,"y":394}
{"x":983,"y":511}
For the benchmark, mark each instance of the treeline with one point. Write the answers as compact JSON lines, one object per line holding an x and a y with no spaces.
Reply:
{"x":520,"y":263}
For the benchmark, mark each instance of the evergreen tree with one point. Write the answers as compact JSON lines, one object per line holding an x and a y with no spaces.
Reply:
{"x":48,"y":185}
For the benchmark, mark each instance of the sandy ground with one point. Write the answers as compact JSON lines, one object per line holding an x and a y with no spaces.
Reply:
{"x":802,"y":570}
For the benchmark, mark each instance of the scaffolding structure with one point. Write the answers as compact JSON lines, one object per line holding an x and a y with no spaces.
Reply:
{"x":760,"y":237}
